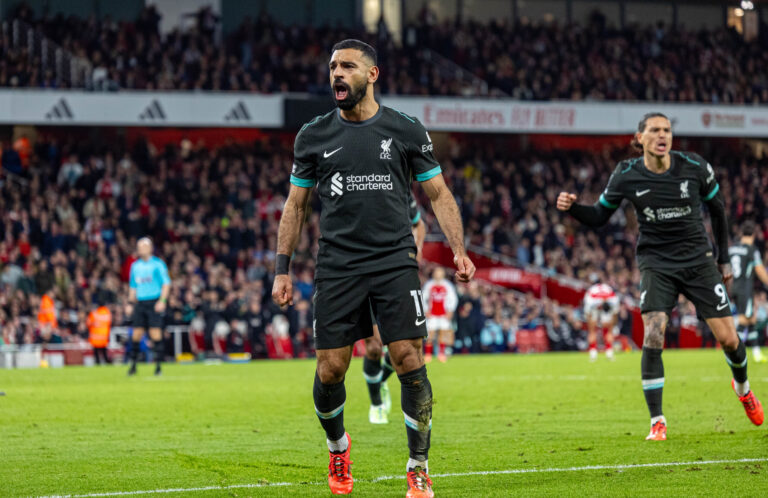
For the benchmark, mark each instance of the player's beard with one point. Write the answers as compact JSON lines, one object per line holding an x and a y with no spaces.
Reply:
{"x":354,"y":95}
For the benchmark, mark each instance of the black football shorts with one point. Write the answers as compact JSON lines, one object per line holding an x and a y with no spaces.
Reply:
{"x":144,"y":315}
{"x":702,"y":285}
{"x":343,"y":308}
{"x":744,"y":304}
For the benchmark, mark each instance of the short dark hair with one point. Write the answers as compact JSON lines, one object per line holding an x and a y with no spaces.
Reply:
{"x":367,"y":50}
{"x":748,"y":228}
{"x":641,"y":127}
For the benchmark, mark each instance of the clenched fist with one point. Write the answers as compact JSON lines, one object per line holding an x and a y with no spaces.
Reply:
{"x":465,"y":268}
{"x":282,"y":290}
{"x":565,"y":201}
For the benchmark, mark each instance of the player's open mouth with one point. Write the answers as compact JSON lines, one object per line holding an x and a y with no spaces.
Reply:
{"x":661,"y":146}
{"x":340,"y":91}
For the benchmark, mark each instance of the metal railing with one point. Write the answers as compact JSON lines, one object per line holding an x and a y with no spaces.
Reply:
{"x":509,"y":261}
{"x":30,"y":355}
{"x":69,"y":70}
{"x":452,"y":71}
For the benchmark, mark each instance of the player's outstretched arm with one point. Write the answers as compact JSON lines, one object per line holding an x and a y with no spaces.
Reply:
{"x":719,"y":220}
{"x":594,"y":216}
{"x":447,"y":212}
{"x":294,"y":213}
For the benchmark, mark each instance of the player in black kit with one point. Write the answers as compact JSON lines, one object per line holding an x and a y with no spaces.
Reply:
{"x":746,"y":263}
{"x":667,"y":189}
{"x":374,"y":372}
{"x":362,"y":158}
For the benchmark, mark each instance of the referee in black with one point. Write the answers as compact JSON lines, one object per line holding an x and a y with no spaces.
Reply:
{"x":150,"y":286}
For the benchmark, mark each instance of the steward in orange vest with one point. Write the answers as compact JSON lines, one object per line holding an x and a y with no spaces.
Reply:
{"x":99,"y":324}
{"x":47,"y":313}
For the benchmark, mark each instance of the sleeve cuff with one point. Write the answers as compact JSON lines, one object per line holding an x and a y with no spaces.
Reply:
{"x":422,"y":177}
{"x":607,"y":204}
{"x":302,"y":182}
{"x":712,"y":194}
{"x":416,"y":218}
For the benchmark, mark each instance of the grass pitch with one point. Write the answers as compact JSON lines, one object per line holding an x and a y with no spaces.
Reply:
{"x":228,"y":428}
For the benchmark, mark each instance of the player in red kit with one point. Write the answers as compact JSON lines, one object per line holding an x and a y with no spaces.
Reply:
{"x":601,"y":309}
{"x":441,"y":300}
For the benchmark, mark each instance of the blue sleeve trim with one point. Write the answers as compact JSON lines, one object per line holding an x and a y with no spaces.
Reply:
{"x":302,"y":182}
{"x":607,"y":204}
{"x":422,"y":177}
{"x":416,"y":218}
{"x":712,"y":194}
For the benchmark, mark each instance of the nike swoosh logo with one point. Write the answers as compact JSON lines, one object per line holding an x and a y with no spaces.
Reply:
{"x":419,"y":322}
{"x":327,"y":154}
{"x":641,"y":193}
{"x":722,"y":306}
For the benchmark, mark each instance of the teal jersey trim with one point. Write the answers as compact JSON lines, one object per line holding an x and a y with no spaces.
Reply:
{"x":302,"y":182}
{"x":314,"y":120}
{"x":416,"y":218}
{"x":631,"y":163}
{"x":422,"y":177}
{"x":712,"y":194}
{"x":684,"y":156}
{"x":405,"y":116}
{"x":607,"y":204}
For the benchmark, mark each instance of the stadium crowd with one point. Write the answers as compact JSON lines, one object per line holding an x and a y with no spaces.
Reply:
{"x":523,"y":60}
{"x":71,"y":217}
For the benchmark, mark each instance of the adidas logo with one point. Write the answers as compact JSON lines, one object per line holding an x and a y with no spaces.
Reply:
{"x":60,"y":110}
{"x":152,"y":112}
{"x":238,"y":113}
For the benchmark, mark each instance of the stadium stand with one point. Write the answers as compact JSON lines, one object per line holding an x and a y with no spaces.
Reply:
{"x":88,"y":206}
{"x":523,"y":60}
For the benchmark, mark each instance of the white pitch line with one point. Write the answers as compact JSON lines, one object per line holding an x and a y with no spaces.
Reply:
{"x":577,"y":469}
{"x":448,"y":474}
{"x":184,"y":490}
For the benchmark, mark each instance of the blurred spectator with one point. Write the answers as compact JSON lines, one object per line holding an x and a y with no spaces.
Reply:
{"x":521,"y":59}
{"x":279,"y":343}
{"x":10,"y":160}
{"x":626,"y":323}
{"x":673,"y":329}
{"x":256,"y":321}
{"x":492,"y":337}
{"x":469,"y":319}
{"x":214,"y":212}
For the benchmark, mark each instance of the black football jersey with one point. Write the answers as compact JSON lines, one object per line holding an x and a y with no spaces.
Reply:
{"x":744,"y":258}
{"x":363,"y":172}
{"x":668,"y":207}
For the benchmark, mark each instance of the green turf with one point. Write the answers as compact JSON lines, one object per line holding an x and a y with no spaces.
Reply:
{"x":91,"y":430}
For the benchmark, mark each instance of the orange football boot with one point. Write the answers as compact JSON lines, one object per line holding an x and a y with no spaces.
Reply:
{"x":339,"y":471}
{"x":658,"y":432}
{"x":419,"y":484}
{"x":752,"y":405}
